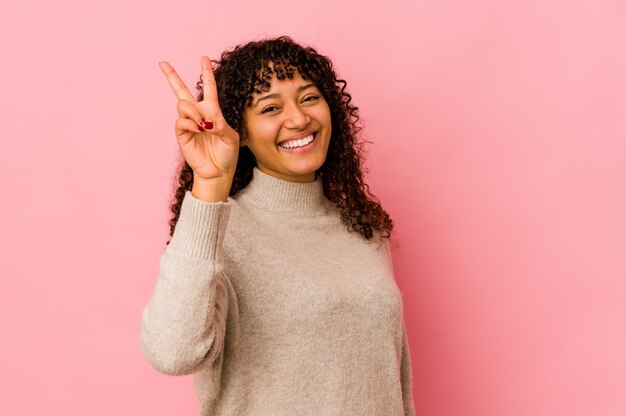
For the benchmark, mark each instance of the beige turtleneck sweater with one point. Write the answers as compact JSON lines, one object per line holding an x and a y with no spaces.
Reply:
{"x":277,"y":309}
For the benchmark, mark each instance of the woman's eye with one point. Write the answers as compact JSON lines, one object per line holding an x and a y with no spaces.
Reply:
{"x":270,"y":108}
{"x":266,"y":109}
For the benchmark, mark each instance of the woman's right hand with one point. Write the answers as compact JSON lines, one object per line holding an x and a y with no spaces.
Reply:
{"x":211,"y":152}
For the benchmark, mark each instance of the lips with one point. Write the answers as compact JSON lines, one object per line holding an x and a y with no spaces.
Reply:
{"x":297,"y":145}
{"x":300,"y":136}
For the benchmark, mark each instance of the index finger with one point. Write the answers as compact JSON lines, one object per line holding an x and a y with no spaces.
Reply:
{"x":208,"y":81}
{"x":177,"y":84}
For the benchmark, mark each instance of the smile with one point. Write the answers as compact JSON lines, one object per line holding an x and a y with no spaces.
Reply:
{"x":300,"y":145}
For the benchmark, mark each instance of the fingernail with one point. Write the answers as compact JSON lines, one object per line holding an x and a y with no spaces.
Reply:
{"x":200,"y":127}
{"x":207,"y":124}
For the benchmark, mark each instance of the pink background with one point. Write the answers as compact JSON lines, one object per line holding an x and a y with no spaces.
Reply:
{"x":499,"y":150}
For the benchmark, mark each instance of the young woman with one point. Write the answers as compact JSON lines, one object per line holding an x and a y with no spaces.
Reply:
{"x":276,"y":289}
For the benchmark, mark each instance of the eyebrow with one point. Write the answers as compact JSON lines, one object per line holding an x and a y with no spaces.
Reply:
{"x":276,"y":95}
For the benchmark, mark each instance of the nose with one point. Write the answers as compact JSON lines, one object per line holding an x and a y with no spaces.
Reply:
{"x":296,"y":118}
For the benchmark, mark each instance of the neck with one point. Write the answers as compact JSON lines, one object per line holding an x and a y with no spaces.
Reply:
{"x":280,"y":195}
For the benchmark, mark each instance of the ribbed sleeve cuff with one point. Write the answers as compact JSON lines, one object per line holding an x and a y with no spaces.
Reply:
{"x":200,"y":229}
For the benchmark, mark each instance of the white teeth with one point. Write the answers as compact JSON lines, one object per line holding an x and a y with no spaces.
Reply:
{"x":297,"y":143}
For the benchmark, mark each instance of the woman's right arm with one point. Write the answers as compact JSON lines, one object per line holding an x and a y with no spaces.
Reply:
{"x":184,"y":323}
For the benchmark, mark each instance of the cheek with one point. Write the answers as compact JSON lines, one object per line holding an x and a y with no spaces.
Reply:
{"x":326,"y":113}
{"x":267,"y":130}
{"x":261,"y":129}
{"x":264,"y":137}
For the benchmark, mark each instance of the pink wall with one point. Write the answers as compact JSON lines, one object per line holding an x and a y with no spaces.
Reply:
{"x":499,"y":132}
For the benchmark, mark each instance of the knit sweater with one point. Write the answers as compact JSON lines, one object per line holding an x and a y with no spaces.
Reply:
{"x":277,"y":309}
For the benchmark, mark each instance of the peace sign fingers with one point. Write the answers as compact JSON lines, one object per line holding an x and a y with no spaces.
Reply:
{"x":177,"y":84}
{"x":209,"y":145}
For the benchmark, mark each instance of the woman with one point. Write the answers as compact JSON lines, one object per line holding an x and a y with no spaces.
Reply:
{"x":276,"y":289}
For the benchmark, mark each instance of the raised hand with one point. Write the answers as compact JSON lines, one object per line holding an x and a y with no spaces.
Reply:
{"x":208,"y":144}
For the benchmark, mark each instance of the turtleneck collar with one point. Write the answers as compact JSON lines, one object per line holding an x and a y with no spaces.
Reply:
{"x":280,"y":195}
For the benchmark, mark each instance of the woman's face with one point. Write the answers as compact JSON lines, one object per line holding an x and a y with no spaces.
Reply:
{"x":291,"y":109}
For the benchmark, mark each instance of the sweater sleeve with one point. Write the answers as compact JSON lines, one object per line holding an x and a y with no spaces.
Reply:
{"x":406,"y":377}
{"x":183,"y":324}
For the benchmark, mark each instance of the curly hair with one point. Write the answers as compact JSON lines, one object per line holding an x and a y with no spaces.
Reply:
{"x":244,"y":71}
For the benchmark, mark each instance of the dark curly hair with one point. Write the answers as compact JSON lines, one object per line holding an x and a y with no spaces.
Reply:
{"x":245,"y":70}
